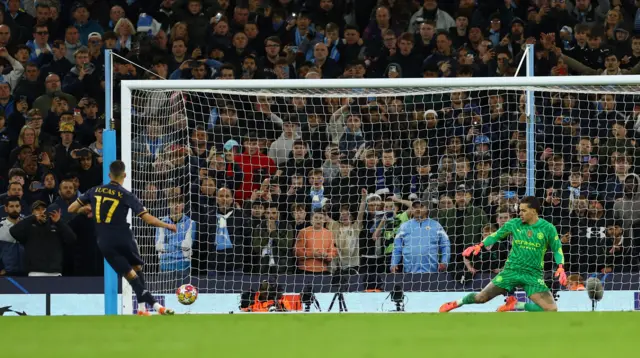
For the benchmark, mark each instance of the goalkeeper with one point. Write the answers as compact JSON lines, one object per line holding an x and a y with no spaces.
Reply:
{"x":524,"y":267}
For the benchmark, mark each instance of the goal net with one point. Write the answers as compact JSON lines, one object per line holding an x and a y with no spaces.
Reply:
{"x":307,"y":188}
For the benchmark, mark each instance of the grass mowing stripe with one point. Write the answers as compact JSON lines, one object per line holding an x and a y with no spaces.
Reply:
{"x":521,"y":335}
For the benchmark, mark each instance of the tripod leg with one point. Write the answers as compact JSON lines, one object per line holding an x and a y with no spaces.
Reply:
{"x":332,"y":301}
{"x":317,"y":304}
{"x":343,"y":304}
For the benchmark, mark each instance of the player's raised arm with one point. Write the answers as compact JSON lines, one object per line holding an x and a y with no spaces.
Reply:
{"x":503,"y":232}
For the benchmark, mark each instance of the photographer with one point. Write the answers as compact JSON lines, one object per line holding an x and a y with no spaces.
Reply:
{"x":43,"y":236}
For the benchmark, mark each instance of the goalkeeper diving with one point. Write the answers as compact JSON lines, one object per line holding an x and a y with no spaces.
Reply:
{"x":532,"y":236}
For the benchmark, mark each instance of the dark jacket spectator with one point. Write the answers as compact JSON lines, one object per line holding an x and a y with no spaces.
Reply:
{"x":43,"y":236}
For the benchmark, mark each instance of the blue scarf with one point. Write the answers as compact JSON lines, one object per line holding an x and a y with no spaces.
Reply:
{"x":223,"y":240}
{"x":154,"y":146}
{"x":316,"y":198}
{"x":333,"y":53}
{"x":298,"y":37}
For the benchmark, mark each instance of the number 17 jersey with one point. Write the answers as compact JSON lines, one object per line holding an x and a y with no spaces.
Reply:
{"x":110,"y":205}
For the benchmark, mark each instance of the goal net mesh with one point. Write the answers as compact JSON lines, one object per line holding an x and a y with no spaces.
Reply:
{"x":303,"y":185}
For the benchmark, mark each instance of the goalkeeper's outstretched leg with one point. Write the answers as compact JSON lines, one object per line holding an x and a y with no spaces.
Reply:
{"x":486,"y":295}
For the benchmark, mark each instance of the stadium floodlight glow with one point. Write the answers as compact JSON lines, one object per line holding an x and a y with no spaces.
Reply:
{"x":174,"y":104}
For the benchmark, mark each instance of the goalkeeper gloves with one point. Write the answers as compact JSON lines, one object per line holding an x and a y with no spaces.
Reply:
{"x":561,"y":275}
{"x":475,"y":250}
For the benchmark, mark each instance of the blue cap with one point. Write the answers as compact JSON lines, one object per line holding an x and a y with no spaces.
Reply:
{"x":481,"y":139}
{"x":230,"y":144}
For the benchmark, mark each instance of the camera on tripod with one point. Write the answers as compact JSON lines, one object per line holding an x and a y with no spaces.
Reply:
{"x":397,"y":296}
{"x":340,"y":280}
{"x":308,"y":298}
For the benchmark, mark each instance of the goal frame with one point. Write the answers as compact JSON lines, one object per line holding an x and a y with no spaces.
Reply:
{"x":528,"y":84}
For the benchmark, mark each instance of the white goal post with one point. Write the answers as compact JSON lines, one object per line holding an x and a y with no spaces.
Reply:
{"x":344,"y":88}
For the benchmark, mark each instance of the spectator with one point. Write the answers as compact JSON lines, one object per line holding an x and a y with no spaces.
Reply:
{"x":315,"y":248}
{"x":491,"y":259}
{"x":89,"y":171}
{"x":584,"y":12}
{"x":281,"y":147}
{"x":225,"y":236}
{"x":53,"y":89}
{"x":430,"y":11}
{"x":613,"y":187}
{"x":176,"y":249}
{"x":195,"y":20}
{"x":272,"y":244}
{"x":67,"y":194}
{"x":80,"y":14}
{"x":147,"y":146}
{"x":353,"y":137}
{"x":72,"y":43}
{"x":422,"y":245}
{"x":346,"y":234}
{"x":253,"y":164}
{"x":298,"y":161}
{"x":67,"y":151}
{"x":125,"y":32}
{"x":11,"y":253}
{"x":84,"y":78}
{"x":463,"y":224}
{"x":47,"y":189}
{"x":627,"y":209}
{"x":614,"y":252}
{"x":29,"y":88}
{"x":43,"y":236}
{"x":39,"y":46}
{"x":9,"y":81}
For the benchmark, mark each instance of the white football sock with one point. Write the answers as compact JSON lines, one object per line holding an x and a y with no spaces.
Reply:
{"x":157,"y":307}
{"x":459,"y":302}
{"x":142,"y":306}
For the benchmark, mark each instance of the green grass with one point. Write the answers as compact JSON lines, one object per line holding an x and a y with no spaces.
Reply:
{"x":490,"y":335}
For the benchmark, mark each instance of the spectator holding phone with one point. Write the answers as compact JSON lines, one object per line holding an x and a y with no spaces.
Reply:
{"x":66,"y":151}
{"x":84,"y":78}
{"x":43,"y":236}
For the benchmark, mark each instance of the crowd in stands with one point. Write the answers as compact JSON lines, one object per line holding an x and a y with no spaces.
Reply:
{"x":322,"y":183}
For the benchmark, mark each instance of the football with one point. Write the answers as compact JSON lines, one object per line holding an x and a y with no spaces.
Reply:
{"x":187,"y":294}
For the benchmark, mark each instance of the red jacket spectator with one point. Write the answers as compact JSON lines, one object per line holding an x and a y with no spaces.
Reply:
{"x":254,"y":166}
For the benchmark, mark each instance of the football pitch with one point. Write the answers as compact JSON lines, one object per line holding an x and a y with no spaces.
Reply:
{"x":586,"y":334}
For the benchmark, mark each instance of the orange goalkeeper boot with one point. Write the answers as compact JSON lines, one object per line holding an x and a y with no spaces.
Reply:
{"x":449,"y":306}
{"x":510,"y":305}
{"x":166,"y":311}
{"x":144,"y":313}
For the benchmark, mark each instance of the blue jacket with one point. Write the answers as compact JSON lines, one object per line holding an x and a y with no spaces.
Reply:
{"x":421,"y":245}
{"x":85,"y":29}
{"x":175,"y":249}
